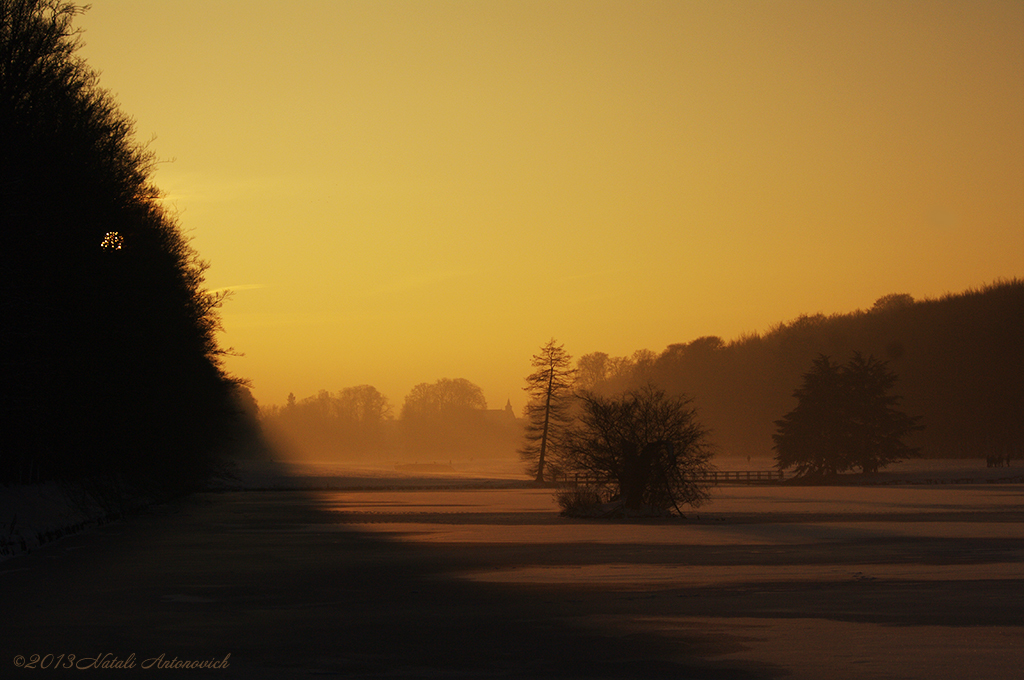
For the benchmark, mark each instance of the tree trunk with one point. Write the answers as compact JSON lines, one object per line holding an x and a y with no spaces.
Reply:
{"x":544,"y":434}
{"x":636,"y":476}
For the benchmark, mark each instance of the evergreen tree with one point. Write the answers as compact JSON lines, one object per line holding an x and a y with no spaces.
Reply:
{"x":845,"y":418}
{"x":810,"y":436}
{"x":877,"y":427}
{"x":548,"y":411}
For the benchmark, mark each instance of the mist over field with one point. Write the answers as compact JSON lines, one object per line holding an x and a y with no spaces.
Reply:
{"x":946,"y":352}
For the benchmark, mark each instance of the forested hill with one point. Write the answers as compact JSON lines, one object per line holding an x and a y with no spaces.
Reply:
{"x":959,"y":358}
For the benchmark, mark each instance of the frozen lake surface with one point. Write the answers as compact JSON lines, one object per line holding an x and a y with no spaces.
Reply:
{"x":425,"y":578}
{"x":819,"y":582}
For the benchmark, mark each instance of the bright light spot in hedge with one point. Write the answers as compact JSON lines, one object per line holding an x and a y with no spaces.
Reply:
{"x":112,"y":241}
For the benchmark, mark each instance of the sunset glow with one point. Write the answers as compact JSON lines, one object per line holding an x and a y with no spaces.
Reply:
{"x":400,"y":192}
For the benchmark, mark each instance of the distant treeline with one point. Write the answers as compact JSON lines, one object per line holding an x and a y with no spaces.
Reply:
{"x":110,"y":363}
{"x":959,"y":358}
{"x":439,"y":421}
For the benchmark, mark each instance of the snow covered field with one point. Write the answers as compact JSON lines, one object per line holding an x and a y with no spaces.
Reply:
{"x":361,"y":572}
{"x":819,"y":582}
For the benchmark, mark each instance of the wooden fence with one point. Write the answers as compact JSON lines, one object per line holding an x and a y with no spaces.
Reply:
{"x":715,"y":477}
{"x":747,"y":476}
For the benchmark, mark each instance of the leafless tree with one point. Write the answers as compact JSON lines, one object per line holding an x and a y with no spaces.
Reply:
{"x":649,"y":447}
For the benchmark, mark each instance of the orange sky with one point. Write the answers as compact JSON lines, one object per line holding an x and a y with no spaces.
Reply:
{"x":404,"y":191}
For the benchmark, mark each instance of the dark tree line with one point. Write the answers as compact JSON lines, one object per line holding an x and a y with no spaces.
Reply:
{"x":959,"y":359}
{"x":444,"y":420}
{"x":111,"y":364}
{"x":350,"y":422}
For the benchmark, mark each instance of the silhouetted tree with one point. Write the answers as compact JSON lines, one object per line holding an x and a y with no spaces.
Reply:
{"x":650,"y":445}
{"x":844,"y":419}
{"x":598,"y":372}
{"x":363,"y":412}
{"x":547,"y":412}
{"x":364,"y":404}
{"x":444,"y":397}
{"x":810,"y":437}
{"x":893,"y":301}
{"x":110,"y":359}
{"x":443,"y":417}
{"x":591,"y":371}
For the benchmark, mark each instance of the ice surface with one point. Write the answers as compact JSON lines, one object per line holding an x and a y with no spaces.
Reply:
{"x":817,"y":582}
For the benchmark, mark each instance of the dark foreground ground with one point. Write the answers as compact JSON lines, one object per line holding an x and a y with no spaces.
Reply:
{"x":274,"y":580}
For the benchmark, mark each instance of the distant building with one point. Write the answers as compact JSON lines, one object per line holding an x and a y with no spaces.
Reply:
{"x":501,"y":416}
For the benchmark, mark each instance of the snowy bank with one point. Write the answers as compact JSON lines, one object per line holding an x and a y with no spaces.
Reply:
{"x":32,"y":515}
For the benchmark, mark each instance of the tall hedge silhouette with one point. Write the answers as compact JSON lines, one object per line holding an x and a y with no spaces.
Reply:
{"x":111,"y":365}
